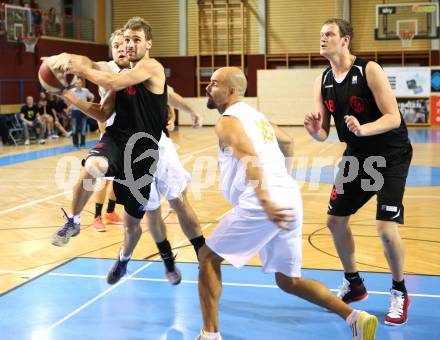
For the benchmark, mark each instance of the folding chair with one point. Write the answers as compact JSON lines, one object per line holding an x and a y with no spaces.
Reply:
{"x":16,"y":129}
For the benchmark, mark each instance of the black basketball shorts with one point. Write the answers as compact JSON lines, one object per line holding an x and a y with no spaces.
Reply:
{"x":358,"y":191}
{"x":133,"y":174}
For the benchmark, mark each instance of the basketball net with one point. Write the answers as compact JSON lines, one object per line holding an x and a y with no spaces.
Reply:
{"x":406,"y":38}
{"x":29,"y":43}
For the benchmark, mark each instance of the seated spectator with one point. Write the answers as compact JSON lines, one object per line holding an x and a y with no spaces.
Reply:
{"x":30,"y":118}
{"x":52,"y":110}
{"x":4,"y":131}
{"x":64,"y":113}
{"x":47,"y":118}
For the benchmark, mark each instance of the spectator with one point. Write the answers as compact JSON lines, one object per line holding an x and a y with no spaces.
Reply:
{"x":30,"y":118}
{"x":79,"y":119}
{"x":64,"y":113}
{"x":46,"y":118}
{"x":52,"y":23}
{"x":52,"y":111}
{"x":36,"y":19}
{"x":4,"y":131}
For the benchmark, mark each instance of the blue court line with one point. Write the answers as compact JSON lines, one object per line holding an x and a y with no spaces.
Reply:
{"x":418,"y":176}
{"x":33,"y":155}
{"x":416,"y":135}
{"x":148,"y":307}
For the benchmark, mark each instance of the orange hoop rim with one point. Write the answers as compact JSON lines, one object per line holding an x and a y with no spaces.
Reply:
{"x":406,"y":35}
{"x":30,"y":42}
{"x":29,"y":38}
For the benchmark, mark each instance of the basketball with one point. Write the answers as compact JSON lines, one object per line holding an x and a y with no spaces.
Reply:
{"x":52,"y":80}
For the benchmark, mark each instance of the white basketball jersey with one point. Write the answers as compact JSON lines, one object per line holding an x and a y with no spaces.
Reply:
{"x":234,"y":183}
{"x":102,"y":92}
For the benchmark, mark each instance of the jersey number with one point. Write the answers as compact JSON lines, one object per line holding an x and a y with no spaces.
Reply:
{"x":330,"y":105}
{"x":266,"y":130}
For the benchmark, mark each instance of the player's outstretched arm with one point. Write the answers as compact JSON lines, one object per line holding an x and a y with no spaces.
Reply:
{"x":62,"y":60}
{"x":171,"y":118}
{"x":177,"y":101}
{"x":231,"y":134}
{"x":100,"y":112}
{"x":143,"y":71}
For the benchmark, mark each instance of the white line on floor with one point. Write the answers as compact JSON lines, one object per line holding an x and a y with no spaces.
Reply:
{"x":224,"y":283}
{"x":43,"y":334}
{"x":35,"y":202}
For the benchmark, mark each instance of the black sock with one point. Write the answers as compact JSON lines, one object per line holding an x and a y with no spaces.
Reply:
{"x":98,"y":209}
{"x":353,"y":277}
{"x":400,"y":286}
{"x":111,"y":206}
{"x":166,"y":254}
{"x":197,"y":243}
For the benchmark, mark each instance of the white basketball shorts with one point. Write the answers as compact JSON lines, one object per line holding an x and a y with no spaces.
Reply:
{"x":243,"y":233}
{"x":171,"y":178}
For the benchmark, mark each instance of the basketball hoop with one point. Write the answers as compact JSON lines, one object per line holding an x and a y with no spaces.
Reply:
{"x":29,"y":43}
{"x":406,"y":38}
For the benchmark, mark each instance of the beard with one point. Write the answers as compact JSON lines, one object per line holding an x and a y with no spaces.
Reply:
{"x":135,"y":56}
{"x":210,"y":104}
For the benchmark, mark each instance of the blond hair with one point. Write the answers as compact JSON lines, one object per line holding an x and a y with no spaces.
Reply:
{"x":116,"y":33}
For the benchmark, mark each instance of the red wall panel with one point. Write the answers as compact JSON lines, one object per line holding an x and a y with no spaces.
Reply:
{"x":254,"y":63}
{"x":18,"y":65}
{"x":182,"y":74}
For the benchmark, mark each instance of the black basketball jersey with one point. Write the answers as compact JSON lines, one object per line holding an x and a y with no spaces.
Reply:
{"x":352,"y":96}
{"x":139,"y":110}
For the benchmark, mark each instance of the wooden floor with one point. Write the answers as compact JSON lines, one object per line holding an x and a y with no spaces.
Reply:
{"x":33,"y":192}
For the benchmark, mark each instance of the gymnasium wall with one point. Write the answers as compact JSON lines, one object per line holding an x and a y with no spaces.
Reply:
{"x":363,"y":17}
{"x":24,"y":66}
{"x":163,"y":16}
{"x":251,"y":24}
{"x":280,"y":95}
{"x":209,"y":117}
{"x":182,"y":71}
{"x":285,"y":96}
{"x":291,"y":26}
{"x":181,"y":74}
{"x":294,"y":26}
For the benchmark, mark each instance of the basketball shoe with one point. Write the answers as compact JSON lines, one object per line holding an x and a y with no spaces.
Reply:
{"x":203,"y":336}
{"x":70,"y":229}
{"x":98,"y":225}
{"x":174,"y":277}
{"x":114,"y":218}
{"x":172,"y":273}
{"x":363,"y":327}
{"x":398,"y":312}
{"x":117,"y":271}
{"x":352,"y":292}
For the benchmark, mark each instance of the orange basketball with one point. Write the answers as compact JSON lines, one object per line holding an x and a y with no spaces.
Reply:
{"x":53,"y":81}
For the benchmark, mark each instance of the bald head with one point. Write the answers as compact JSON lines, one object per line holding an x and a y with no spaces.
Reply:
{"x":227,"y":86}
{"x":233,"y":77}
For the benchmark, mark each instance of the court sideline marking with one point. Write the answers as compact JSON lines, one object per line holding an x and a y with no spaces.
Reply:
{"x":47,"y":198}
{"x":24,"y":205}
{"x":40,"y":335}
{"x":87,"y":276}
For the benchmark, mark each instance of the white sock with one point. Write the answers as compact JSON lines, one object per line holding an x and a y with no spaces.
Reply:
{"x":76,"y":218}
{"x":212,"y":335}
{"x":354,"y":315}
{"x":122,"y":257}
